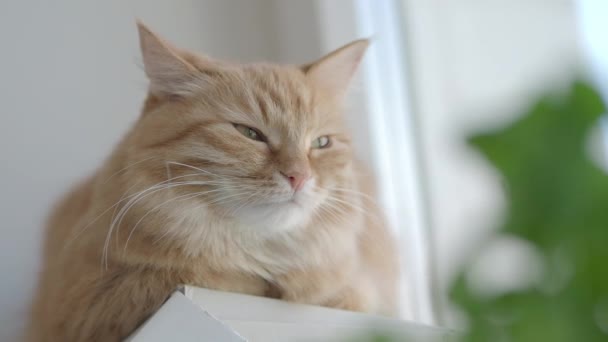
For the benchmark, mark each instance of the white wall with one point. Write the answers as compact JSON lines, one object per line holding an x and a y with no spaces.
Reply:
{"x":474,"y":64}
{"x":70,"y":86}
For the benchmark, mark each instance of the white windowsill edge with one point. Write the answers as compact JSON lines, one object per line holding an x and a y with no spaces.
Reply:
{"x":197,"y":314}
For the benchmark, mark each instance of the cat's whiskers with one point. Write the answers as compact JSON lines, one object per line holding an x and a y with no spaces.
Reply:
{"x":168,"y":170}
{"x":115,"y":206}
{"x":238,"y":178}
{"x":180,"y":197}
{"x":362,"y":195}
{"x":333,"y":206}
{"x":123,"y":197}
{"x":222,"y":200}
{"x":245,"y":202}
{"x":346,"y":204}
{"x":125,"y":168}
{"x":336,"y":202}
{"x":123,"y":211}
{"x":133,"y":199}
{"x":201,"y":170}
{"x":117,"y":221}
{"x":333,"y":211}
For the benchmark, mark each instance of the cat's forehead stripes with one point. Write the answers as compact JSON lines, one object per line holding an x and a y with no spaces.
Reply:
{"x":283,"y":99}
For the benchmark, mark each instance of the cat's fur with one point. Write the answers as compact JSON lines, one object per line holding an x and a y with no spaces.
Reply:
{"x":187,"y":199}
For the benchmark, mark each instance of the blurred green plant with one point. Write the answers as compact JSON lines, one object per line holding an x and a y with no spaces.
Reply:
{"x":558,"y":202}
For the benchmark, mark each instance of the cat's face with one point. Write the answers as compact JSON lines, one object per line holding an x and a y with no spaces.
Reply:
{"x":264,"y":145}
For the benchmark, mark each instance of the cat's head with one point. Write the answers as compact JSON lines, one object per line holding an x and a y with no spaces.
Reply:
{"x":263,"y":144}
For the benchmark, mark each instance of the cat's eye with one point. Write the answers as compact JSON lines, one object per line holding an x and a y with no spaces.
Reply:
{"x":250,"y":132}
{"x":321,"y":142}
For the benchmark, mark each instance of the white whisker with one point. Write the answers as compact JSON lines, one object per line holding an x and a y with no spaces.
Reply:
{"x":181,"y":197}
{"x":198,"y":169}
{"x":115,"y":224}
{"x":357,"y":193}
{"x":125,"y":168}
{"x":335,"y":212}
{"x":245,"y":202}
{"x":360,"y":209}
{"x":81,"y":230}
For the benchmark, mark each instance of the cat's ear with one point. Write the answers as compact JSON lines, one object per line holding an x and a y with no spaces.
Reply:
{"x":333,"y":73}
{"x":168,"y":72}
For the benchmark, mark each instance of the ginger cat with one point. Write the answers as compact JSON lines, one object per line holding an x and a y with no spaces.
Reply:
{"x":235,"y":177}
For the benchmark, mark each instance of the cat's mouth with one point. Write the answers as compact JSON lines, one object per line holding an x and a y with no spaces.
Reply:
{"x":294,"y":201}
{"x":291,"y":201}
{"x":277,"y":214}
{"x":300,"y":198}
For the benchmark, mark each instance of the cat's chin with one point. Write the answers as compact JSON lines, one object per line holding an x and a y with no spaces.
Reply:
{"x":276,"y":217}
{"x":282,"y":213}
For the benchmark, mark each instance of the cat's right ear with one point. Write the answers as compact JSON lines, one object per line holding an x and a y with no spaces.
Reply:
{"x":168,"y":72}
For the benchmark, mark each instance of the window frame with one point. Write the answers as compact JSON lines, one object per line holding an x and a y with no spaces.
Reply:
{"x":388,"y":129}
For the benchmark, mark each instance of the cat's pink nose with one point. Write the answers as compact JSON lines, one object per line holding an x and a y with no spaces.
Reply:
{"x":297,"y":179}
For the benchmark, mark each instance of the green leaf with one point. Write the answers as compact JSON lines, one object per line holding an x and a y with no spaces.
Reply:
{"x":558,"y":201}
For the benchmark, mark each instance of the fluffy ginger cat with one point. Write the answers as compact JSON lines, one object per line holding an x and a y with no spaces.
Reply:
{"x":237,"y":178}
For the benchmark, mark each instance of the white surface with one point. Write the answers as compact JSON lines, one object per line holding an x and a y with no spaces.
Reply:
{"x":204,"y":315}
{"x":269,"y":320}
{"x":179,"y":319}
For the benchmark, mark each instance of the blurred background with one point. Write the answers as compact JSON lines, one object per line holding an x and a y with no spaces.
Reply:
{"x":71,"y":84}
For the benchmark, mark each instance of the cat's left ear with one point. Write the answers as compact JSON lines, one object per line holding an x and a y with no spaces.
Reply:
{"x":169,"y":73}
{"x":333,"y":73}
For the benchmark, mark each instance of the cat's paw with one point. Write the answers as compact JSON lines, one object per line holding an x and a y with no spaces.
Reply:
{"x":273,"y":291}
{"x":352,"y":299}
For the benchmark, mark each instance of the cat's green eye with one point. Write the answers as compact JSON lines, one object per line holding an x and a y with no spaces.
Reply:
{"x":321,"y":142}
{"x":250,"y":133}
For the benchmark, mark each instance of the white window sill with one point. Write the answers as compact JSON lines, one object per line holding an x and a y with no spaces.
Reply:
{"x":196,"y":314}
